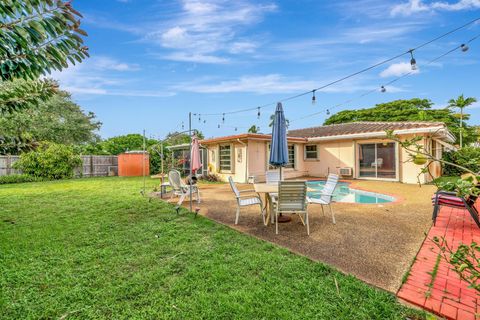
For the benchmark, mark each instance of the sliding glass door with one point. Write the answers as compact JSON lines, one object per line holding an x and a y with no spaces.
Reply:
{"x":377,"y":160}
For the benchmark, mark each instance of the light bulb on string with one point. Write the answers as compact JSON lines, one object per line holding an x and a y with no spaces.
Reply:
{"x":235,"y":128}
{"x":204,"y":121}
{"x":383,"y":89}
{"x":183,"y":126}
{"x":413,"y":62}
{"x":313,"y":97}
{"x":218,"y":126}
{"x":199,"y":118}
{"x":464,"y":47}
{"x":258,"y":113}
{"x":223,"y":118}
{"x":328,"y":112}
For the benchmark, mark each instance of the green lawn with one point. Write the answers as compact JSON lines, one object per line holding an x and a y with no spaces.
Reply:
{"x":94,"y":248}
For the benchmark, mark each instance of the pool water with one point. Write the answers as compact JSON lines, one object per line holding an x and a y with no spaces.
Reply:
{"x":343,"y":193}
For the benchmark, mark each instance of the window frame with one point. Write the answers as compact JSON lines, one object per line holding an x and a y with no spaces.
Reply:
{"x":220,"y":168}
{"x":306,"y":152}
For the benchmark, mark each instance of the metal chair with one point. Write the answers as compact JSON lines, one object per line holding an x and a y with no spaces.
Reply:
{"x":292,"y":198}
{"x":326,"y":195}
{"x":180,"y":189}
{"x":272,"y":177}
{"x":244,"y":201}
{"x":450,"y":199}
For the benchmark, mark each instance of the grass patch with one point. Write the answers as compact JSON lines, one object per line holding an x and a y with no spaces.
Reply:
{"x":95,"y":249}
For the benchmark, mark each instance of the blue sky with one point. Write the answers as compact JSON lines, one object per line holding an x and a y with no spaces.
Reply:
{"x":154,"y":61}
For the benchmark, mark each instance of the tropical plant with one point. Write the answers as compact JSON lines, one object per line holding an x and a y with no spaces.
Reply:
{"x":465,"y":260}
{"x":468,"y":157}
{"x":49,"y":161}
{"x":128,"y":142}
{"x":38,"y":36}
{"x":461,"y":102}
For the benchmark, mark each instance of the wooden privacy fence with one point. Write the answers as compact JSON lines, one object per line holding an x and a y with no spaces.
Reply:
{"x":93,"y":166}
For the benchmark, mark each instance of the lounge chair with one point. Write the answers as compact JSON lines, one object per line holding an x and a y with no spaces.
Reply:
{"x":180,"y":189}
{"x":450,"y":199}
{"x":292,"y":198}
{"x":244,"y":201}
{"x":326,"y":194}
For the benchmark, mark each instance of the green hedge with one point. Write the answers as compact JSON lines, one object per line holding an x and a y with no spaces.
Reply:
{"x":49,"y":161}
{"x":19,"y":178}
{"x":468,"y":157}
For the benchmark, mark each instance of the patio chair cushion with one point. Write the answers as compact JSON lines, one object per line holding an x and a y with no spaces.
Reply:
{"x":249,"y":201}
{"x":448,"y":200}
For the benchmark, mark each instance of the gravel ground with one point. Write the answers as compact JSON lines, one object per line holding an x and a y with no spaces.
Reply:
{"x":376,"y":243}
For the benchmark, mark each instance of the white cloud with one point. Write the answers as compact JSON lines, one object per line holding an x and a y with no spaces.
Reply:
{"x":101,"y":76}
{"x":398,"y":69}
{"x":207,"y":31}
{"x":418,"y":6}
{"x":274,"y":83}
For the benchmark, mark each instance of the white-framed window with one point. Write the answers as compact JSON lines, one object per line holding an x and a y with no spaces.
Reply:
{"x":311,"y":152}
{"x":225,"y":157}
{"x":291,"y":157}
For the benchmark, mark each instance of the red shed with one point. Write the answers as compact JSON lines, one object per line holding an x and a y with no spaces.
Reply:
{"x":131,"y":164}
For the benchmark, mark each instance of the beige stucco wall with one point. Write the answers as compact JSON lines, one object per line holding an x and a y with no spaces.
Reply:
{"x":332,"y":155}
{"x":239,"y":162}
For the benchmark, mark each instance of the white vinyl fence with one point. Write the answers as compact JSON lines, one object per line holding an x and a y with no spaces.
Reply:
{"x":93,"y":166}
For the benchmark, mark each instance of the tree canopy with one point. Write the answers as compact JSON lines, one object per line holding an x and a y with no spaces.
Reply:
{"x":406,"y":110}
{"x":57,"y":119}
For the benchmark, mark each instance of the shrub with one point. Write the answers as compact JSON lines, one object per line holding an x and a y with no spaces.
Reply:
{"x":468,"y":157}
{"x":19,"y":178}
{"x":211,"y":177}
{"x":49,"y":161}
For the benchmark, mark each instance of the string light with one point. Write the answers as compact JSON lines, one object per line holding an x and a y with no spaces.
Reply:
{"x":235,"y":128}
{"x":258,"y":113}
{"x":199,"y":118}
{"x":183,"y":126}
{"x":328,"y":112}
{"x":383,"y":89}
{"x":413,"y":62}
{"x":218,"y":126}
{"x":313,"y":97}
{"x":464,"y":47}
{"x":204,"y":121}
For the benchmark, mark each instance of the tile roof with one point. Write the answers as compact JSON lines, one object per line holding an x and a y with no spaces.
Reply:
{"x":360,"y":127}
{"x":246,"y":136}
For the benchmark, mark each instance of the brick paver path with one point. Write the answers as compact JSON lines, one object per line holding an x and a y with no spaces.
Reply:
{"x":445,"y":295}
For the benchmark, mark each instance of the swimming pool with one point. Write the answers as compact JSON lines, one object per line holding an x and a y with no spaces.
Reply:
{"x":343,"y":193}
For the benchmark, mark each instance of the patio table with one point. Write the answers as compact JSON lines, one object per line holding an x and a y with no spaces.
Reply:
{"x":268,"y":189}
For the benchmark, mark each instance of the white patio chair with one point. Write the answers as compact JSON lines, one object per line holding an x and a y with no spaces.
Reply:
{"x":378,"y":163}
{"x":272,"y":176}
{"x":180,"y":189}
{"x":292,"y":198}
{"x":326,"y":195}
{"x":244,"y":201}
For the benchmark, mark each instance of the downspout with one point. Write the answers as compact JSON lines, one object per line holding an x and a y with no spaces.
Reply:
{"x":246,"y":159}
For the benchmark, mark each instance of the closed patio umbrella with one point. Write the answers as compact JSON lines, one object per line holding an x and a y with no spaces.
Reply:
{"x":278,"y":144}
{"x":195,"y":162}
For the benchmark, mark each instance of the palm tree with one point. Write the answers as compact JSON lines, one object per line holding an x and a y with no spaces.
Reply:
{"x":461,"y":102}
{"x":272,"y":117}
{"x":253,"y":129}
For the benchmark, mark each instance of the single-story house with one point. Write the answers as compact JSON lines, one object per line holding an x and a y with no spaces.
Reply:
{"x":357,"y":150}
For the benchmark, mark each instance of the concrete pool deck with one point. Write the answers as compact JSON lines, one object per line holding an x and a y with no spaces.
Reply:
{"x":375,"y":242}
